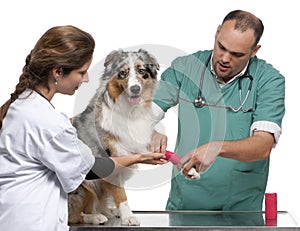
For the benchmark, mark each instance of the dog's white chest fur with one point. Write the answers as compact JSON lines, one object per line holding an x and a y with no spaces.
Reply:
{"x":132,"y":126}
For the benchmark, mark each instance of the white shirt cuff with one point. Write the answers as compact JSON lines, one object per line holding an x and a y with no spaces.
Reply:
{"x":267,"y":126}
{"x":159,"y":114}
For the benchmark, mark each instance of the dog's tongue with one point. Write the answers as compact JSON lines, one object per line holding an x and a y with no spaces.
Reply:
{"x":134,"y":100}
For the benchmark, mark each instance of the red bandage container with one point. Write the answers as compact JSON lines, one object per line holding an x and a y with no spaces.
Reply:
{"x":271,"y":206}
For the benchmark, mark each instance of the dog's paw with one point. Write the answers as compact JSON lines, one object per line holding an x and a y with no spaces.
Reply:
{"x":98,"y":219}
{"x":95,"y":219}
{"x":131,"y":221}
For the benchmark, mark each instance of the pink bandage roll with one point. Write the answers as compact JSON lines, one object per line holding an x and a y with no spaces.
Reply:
{"x":173,"y":157}
{"x":270,"y":206}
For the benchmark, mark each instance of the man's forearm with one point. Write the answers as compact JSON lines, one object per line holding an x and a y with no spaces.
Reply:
{"x":256,"y":147}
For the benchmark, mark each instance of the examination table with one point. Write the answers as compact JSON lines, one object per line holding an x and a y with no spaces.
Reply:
{"x":200,"y":220}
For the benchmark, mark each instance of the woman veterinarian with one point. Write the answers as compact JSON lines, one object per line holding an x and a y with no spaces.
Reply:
{"x":41,"y":157}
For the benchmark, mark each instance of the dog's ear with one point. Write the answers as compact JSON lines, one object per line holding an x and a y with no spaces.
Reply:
{"x":110,"y":58}
{"x":150,"y":62}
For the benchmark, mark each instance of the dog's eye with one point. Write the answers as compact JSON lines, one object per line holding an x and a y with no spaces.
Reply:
{"x":146,"y":75}
{"x":122,"y":74}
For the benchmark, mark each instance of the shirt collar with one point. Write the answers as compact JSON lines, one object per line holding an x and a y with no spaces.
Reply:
{"x":220,"y":81}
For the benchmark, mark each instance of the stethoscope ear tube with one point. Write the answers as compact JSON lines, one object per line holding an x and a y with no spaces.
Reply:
{"x":246,"y":75}
{"x":200,"y":101}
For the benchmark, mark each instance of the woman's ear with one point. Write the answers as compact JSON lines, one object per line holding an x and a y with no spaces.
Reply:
{"x":57,"y":72}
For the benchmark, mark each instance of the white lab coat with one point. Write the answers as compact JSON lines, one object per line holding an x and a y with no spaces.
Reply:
{"x":41,"y":160}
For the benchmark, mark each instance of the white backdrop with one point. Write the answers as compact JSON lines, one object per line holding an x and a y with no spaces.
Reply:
{"x":185,"y":26}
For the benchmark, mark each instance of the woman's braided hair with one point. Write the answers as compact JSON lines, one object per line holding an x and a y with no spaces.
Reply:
{"x":66,"y":47}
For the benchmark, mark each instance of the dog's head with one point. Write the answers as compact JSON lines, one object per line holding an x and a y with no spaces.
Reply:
{"x":130,"y":75}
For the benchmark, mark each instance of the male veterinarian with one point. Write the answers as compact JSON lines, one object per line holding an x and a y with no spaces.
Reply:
{"x":231,"y":105}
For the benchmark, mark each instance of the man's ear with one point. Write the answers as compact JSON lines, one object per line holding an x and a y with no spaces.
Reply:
{"x":217,"y":32}
{"x":255,"y":50}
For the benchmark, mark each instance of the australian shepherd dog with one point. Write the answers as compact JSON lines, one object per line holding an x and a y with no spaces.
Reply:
{"x":118,"y":121}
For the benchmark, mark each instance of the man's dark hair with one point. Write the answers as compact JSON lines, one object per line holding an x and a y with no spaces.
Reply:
{"x":244,"y":21}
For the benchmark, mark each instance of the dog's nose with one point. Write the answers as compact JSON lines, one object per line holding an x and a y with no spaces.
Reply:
{"x":135,"y":89}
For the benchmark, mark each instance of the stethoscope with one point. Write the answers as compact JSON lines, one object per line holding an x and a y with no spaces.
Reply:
{"x":200,"y":101}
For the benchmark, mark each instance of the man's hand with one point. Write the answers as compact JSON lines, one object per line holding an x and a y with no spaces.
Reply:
{"x":159,"y":142}
{"x":200,"y":158}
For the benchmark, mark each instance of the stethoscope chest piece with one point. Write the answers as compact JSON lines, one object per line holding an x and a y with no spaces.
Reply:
{"x":199,"y":102}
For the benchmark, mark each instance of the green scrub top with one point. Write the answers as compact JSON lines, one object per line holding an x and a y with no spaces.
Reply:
{"x":228,"y":184}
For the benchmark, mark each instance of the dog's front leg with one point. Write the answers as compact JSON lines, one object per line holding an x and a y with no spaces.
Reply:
{"x":120,"y":199}
{"x":126,"y":214}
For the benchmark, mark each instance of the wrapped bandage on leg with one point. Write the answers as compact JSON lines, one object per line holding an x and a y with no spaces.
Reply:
{"x":174,"y":158}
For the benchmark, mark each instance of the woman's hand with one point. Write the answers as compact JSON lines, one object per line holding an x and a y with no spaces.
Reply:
{"x":152,"y":158}
{"x":149,"y":158}
{"x":156,"y":156}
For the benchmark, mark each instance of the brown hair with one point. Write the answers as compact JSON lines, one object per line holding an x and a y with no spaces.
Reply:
{"x":67,"y":47}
